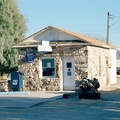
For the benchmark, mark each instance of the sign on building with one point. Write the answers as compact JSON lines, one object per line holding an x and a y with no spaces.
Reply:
{"x":45,"y":47}
{"x":30,"y":56}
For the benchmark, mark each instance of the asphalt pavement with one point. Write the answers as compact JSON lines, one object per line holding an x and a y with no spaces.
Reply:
{"x":71,"y":108}
{"x":28,"y":99}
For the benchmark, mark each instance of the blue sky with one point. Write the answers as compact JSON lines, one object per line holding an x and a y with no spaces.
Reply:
{"x":88,"y":17}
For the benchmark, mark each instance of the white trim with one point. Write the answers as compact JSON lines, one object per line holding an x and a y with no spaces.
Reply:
{"x":113,"y":79}
{"x":42,"y":70}
{"x":62,"y":77}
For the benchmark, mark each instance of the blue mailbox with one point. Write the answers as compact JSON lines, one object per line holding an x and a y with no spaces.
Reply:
{"x":16,"y":81}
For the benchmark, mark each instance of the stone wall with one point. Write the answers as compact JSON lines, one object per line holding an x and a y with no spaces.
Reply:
{"x":99,"y":64}
{"x":31,"y":72}
{"x":81,"y":61}
{"x":95,"y":61}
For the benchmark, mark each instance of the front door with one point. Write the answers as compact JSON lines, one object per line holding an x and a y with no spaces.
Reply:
{"x":68,"y":73}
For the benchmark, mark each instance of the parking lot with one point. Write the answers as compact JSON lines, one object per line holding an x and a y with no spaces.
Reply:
{"x":106,"y":108}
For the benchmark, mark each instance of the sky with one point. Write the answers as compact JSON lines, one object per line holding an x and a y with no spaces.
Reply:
{"x":88,"y":17}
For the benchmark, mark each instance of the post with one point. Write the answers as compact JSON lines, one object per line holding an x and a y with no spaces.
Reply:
{"x":108,"y":27}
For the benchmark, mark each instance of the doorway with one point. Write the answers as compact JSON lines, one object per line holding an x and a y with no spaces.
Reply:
{"x":68,"y":73}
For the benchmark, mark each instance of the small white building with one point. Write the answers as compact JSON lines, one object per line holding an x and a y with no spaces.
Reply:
{"x":60,"y":58}
{"x":118,"y":61}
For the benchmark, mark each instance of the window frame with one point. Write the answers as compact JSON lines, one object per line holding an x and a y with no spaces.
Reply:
{"x":54,"y":76}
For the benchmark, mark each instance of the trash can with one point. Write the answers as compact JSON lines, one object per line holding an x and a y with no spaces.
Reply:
{"x":16,"y":82}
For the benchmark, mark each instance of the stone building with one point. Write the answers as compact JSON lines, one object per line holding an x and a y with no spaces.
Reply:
{"x":53,"y":58}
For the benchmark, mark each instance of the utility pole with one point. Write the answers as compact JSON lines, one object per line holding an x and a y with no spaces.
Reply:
{"x":108,"y":27}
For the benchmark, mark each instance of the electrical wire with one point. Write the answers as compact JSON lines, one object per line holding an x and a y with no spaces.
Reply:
{"x":115,"y":16}
{"x":115,"y":22}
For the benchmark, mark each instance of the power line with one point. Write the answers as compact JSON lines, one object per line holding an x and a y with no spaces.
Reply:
{"x":108,"y":25}
{"x":115,"y":22}
{"x":115,"y":16}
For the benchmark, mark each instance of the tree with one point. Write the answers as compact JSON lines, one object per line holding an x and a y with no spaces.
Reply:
{"x":12,"y":29}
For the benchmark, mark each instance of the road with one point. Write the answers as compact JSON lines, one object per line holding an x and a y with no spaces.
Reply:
{"x":107,"y":108}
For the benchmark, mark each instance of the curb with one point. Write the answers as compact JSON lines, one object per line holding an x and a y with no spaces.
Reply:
{"x":68,"y":95}
{"x":14,"y":93}
{"x":47,"y":100}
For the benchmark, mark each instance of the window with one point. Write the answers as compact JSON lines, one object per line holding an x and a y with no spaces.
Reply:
{"x":118,"y":70}
{"x":69,"y":65}
{"x":48,"y":67}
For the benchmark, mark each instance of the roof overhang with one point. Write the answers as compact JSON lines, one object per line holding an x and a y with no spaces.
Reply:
{"x":52,"y":44}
